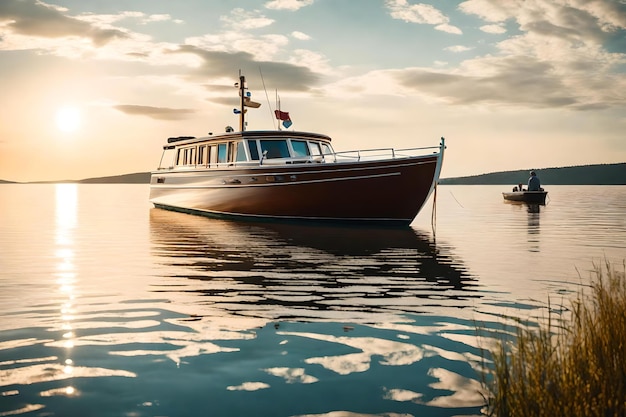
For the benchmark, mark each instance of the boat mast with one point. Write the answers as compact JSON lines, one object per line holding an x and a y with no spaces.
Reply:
{"x":244,"y":101}
{"x":242,"y":90}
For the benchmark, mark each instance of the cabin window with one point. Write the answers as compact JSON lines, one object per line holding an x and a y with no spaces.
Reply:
{"x":315,"y":149}
{"x":254,"y":151}
{"x":275,"y":148}
{"x":231,"y":151}
{"x":241,"y":152}
{"x":326,"y":149}
{"x":213,"y":154}
{"x":169,"y":158}
{"x":300,"y":148}
{"x":222,"y":155}
{"x":202,"y":155}
{"x":186,"y":156}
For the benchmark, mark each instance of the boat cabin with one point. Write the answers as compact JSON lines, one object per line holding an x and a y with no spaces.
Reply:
{"x":245,"y":149}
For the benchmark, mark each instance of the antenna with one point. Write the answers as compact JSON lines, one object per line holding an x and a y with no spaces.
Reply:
{"x":269,"y":105}
{"x":278,"y":106}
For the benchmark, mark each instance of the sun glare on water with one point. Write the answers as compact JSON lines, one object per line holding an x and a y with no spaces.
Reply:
{"x":68,"y":119}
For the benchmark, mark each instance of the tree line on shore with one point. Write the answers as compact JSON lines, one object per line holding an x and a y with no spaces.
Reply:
{"x":601,"y":174}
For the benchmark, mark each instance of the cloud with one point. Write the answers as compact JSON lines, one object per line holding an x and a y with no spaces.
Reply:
{"x":312,"y":60}
{"x":161,"y":113}
{"x":109,"y":19}
{"x":35,"y":18}
{"x":241,"y":18}
{"x":457,"y":48}
{"x":156,"y":18}
{"x":516,"y":79}
{"x":263,"y":47}
{"x":301,"y":36}
{"x":576,"y":20}
{"x":284,"y":76}
{"x":422,"y":14}
{"x":35,"y":26}
{"x":491,"y":11}
{"x":557,"y":60}
{"x":32,"y":25}
{"x":449,"y":29}
{"x":292,"y":5}
{"x":494,"y":28}
{"x":512,"y":81}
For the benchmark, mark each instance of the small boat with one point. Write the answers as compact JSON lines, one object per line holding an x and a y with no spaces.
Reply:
{"x":290,"y":175}
{"x":531,"y":197}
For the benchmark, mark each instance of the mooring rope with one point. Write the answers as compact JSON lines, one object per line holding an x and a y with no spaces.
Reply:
{"x":433,"y":216}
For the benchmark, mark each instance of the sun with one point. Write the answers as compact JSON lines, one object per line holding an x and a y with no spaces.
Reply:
{"x":68,"y":119}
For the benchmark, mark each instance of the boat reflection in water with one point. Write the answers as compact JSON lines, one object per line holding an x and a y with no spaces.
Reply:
{"x":351,"y":319}
{"x":533,"y":222}
{"x":296,"y":271}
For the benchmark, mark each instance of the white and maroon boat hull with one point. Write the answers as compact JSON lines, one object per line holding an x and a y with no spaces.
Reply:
{"x":385,"y":191}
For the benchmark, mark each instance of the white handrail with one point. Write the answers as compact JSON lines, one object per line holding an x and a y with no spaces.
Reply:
{"x":380,"y":153}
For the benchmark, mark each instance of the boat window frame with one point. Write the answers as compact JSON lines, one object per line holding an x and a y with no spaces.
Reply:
{"x":253,"y":148}
{"x":212,"y":154}
{"x":283,"y":150}
{"x":240,"y":152}
{"x":232,"y":148}
{"x":316,"y":148}
{"x":192,"y":155}
{"x":295,"y":153}
{"x":202,"y":155}
{"x":209,"y":154}
{"x":186,"y":156}
{"x":169,"y":158}
{"x":222,"y":153}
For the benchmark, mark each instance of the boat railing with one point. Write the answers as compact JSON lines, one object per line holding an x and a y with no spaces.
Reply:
{"x":378,"y":154}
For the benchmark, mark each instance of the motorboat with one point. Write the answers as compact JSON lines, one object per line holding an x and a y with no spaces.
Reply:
{"x":291,"y":175}
{"x":524,"y":196}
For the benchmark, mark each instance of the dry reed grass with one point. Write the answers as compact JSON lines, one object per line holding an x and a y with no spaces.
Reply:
{"x":572,"y":367}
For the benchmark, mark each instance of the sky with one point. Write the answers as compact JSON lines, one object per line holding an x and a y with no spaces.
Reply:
{"x":94,"y":88}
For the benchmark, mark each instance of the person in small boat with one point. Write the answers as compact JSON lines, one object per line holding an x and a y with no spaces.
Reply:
{"x":533,"y":182}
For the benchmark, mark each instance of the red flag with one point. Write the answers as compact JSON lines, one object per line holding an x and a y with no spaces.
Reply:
{"x":282,"y":115}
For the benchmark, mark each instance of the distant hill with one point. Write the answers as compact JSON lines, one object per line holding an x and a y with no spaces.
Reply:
{"x":135,"y":178}
{"x":602,"y":174}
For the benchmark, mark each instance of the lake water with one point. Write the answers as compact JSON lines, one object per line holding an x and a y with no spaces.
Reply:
{"x":109,"y":307}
